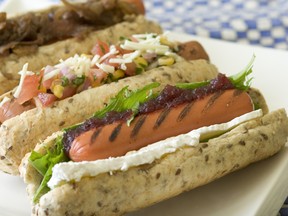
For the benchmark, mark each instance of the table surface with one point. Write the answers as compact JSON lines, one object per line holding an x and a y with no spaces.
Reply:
{"x":256,"y":22}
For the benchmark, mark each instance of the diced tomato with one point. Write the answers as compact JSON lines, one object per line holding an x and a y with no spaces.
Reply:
{"x":47,"y":83}
{"x":29,"y":88}
{"x":68,"y":92}
{"x":46,"y":98}
{"x":12,"y":108}
{"x":100,"y":48}
{"x":131,"y":69}
{"x":97,"y":76}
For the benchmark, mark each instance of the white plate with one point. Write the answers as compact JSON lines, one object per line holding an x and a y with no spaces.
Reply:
{"x":259,"y":189}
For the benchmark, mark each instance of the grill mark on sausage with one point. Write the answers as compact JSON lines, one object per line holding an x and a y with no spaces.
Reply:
{"x":236,"y":93}
{"x":185,"y":111}
{"x":138,"y":126}
{"x":95,"y":135}
{"x":212,"y":100}
{"x":161,"y":118}
{"x":115,"y":132}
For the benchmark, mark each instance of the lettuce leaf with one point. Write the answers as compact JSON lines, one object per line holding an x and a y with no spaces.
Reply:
{"x":44,"y":164}
{"x":126,"y":100}
{"x":240,"y":80}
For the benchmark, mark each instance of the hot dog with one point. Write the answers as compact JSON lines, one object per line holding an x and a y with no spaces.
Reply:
{"x":94,"y":144}
{"x":72,"y":90}
{"x":43,"y":37}
{"x":111,"y":166}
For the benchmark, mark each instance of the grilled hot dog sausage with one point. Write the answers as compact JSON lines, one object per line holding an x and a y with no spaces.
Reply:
{"x":117,"y":139}
{"x":192,"y":50}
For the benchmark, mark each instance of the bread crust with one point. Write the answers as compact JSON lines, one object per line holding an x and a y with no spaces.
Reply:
{"x":174,"y":173}
{"x":20,"y":134}
{"x":52,"y":53}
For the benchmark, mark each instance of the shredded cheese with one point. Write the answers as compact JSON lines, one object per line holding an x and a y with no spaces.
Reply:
{"x":106,"y":68}
{"x":156,"y":47}
{"x":127,"y":58}
{"x":51,"y":74}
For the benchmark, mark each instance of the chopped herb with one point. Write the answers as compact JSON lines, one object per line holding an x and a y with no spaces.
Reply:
{"x":65,"y":81}
{"x":79,"y":80}
{"x":143,"y":65}
{"x":40,"y":81}
{"x":121,"y":38}
{"x":102,"y":48}
{"x":139,"y":70}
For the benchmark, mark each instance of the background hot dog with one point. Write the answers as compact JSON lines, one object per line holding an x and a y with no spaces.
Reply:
{"x":34,"y":37}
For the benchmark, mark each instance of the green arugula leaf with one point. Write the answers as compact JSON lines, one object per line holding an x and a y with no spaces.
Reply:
{"x":126,"y":100}
{"x":241,"y":80}
{"x":44,"y":164}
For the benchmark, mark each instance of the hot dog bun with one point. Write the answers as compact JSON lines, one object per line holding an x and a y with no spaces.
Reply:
{"x":51,"y":53}
{"x":20,"y":134}
{"x":172,"y":174}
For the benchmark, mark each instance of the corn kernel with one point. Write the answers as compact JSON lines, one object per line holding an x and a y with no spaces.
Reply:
{"x":164,"y":41}
{"x":118,"y":74}
{"x":140,"y":62}
{"x":58,"y":90}
{"x":166,"y":61}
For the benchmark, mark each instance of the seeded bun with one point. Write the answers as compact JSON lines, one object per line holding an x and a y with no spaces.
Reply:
{"x":174,"y":173}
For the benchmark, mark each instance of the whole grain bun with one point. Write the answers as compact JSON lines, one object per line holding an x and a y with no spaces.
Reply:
{"x":174,"y":173}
